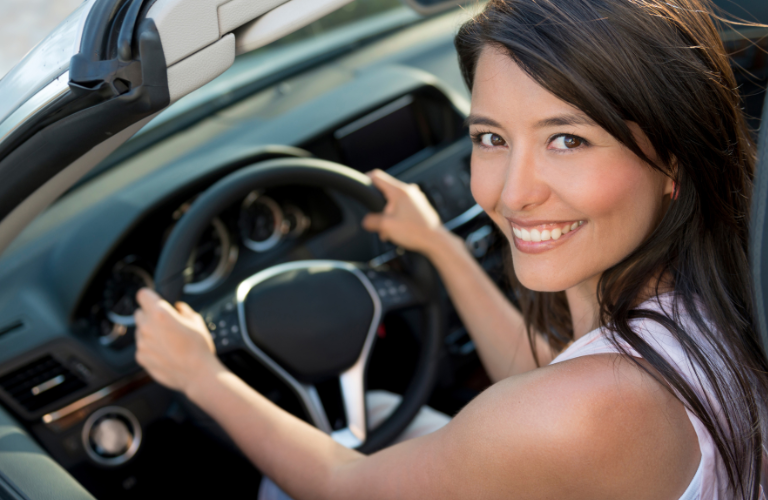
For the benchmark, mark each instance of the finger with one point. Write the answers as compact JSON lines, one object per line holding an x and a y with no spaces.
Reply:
{"x":163,"y":307}
{"x":372,"y":222}
{"x":139,"y":317}
{"x":147,"y":298}
{"x":386,"y":183}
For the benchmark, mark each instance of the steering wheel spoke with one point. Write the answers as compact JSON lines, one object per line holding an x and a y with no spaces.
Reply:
{"x":224,"y":324}
{"x":395,"y":290}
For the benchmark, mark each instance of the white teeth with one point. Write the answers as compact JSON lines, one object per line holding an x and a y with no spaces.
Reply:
{"x":537,"y":235}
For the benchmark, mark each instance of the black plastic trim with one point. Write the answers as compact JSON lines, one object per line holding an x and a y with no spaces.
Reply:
{"x":100,"y":107}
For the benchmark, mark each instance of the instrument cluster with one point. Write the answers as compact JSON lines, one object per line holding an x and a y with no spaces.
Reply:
{"x":258,"y":224}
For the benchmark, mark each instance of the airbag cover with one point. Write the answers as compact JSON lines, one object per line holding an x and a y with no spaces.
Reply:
{"x":313,"y":321}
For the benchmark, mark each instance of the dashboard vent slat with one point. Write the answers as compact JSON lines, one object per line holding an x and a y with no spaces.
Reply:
{"x":40,"y":383}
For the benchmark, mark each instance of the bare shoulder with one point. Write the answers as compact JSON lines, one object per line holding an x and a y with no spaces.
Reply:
{"x":593,"y":427}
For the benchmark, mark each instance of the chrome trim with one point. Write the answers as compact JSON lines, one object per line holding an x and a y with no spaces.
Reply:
{"x":476,"y":241}
{"x":81,"y":403}
{"x":229,"y":253}
{"x":132,"y":449}
{"x":463,"y":218}
{"x":351,"y":381}
{"x":48,"y":95}
{"x":48,"y":385}
{"x":49,"y":418}
{"x":117,"y":332}
{"x":452,"y":224}
{"x":277,"y":213}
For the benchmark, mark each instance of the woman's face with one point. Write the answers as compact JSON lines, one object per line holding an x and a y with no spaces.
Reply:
{"x":570,"y":198}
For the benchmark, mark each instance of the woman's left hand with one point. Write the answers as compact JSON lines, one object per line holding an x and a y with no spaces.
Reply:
{"x":172,"y":343}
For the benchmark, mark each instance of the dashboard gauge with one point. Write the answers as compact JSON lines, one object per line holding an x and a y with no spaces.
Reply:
{"x":119,"y":296}
{"x":212,"y":260}
{"x":294,"y":220}
{"x":261,"y":222}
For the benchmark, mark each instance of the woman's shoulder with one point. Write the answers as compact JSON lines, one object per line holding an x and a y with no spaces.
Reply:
{"x":599,"y":424}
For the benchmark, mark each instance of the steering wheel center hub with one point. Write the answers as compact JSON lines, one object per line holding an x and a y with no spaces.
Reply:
{"x":311,"y":316}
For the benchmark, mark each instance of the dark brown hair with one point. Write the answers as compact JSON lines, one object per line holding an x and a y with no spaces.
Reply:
{"x":661,"y":65}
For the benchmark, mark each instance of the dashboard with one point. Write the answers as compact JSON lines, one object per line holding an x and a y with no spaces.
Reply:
{"x":67,"y":371}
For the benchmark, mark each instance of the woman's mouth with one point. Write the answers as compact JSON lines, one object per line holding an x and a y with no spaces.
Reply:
{"x":542,"y":236}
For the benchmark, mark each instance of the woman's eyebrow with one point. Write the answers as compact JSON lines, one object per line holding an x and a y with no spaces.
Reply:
{"x":569,"y":119}
{"x":481,"y":120}
{"x":566,"y":120}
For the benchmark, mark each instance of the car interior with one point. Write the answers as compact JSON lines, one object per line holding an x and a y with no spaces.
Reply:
{"x":240,"y":159}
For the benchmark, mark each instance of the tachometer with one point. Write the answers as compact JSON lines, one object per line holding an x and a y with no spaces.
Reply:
{"x":261,"y":222}
{"x":212,"y":260}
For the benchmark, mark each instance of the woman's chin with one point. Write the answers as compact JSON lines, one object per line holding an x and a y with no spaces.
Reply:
{"x":543,"y":280}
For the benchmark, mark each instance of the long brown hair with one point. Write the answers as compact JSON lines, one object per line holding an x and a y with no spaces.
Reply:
{"x":661,"y":65}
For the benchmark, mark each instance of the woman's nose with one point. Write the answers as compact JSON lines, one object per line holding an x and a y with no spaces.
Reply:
{"x":524,"y":188}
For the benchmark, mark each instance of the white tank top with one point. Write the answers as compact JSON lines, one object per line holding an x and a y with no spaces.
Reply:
{"x":711,"y":480}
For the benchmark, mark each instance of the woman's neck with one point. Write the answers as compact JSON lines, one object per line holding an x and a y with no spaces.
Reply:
{"x":585,"y":310}
{"x":582,"y":301}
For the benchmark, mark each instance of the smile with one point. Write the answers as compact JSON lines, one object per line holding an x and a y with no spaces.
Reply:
{"x":540,"y":237}
{"x":545,"y":232}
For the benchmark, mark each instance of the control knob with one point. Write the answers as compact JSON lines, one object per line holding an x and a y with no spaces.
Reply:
{"x":111,"y":435}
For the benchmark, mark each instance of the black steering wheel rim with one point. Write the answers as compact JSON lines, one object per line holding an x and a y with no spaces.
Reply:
{"x":170,"y":278}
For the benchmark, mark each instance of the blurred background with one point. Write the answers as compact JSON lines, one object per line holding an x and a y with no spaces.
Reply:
{"x":24,"y":23}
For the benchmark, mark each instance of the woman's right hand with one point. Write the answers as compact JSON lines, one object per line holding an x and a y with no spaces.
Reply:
{"x":408,"y":219}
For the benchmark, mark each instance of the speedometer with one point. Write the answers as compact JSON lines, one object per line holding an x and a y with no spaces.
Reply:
{"x":213,"y":258}
{"x":261,"y":222}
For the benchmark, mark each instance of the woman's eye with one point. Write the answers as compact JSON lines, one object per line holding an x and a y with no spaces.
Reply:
{"x":491,"y":140}
{"x":567,"y":142}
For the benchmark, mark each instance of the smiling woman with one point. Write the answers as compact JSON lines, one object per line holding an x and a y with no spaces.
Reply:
{"x":637,"y":119}
{"x":611,"y":151}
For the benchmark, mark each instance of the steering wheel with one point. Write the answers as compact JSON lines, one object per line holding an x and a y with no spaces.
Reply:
{"x":340,"y":304}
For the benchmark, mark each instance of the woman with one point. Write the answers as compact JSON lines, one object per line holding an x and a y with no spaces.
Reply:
{"x":611,"y":151}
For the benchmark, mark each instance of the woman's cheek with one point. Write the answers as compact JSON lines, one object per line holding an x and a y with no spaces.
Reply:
{"x":486,"y":184}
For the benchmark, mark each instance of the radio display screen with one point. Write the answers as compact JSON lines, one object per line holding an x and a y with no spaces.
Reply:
{"x":382,"y":138}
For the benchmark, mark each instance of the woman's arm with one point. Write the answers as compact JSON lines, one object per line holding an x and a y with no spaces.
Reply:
{"x":496,"y":327}
{"x":590,"y":428}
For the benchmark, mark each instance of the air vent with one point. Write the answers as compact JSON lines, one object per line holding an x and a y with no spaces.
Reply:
{"x":40,"y":383}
